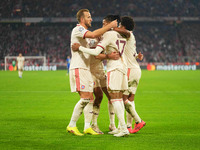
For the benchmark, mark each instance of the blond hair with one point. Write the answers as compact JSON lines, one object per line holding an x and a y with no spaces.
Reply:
{"x":80,"y":14}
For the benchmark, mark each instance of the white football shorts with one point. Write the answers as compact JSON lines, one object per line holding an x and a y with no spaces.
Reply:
{"x":20,"y":67}
{"x":81,"y":80}
{"x":116,"y":81}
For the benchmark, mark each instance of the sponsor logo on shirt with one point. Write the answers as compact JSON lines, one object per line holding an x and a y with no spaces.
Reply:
{"x":82,"y":86}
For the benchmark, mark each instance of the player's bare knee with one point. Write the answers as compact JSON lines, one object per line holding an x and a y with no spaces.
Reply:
{"x":97,"y":101}
{"x":99,"y":96}
{"x":98,"y":93}
{"x":125,"y":97}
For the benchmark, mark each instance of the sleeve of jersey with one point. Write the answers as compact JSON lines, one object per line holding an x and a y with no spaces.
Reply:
{"x":81,"y":32}
{"x":94,"y":52}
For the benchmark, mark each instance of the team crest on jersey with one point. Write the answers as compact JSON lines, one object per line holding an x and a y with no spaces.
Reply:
{"x":82,"y":86}
{"x":92,"y":43}
{"x":81,"y":29}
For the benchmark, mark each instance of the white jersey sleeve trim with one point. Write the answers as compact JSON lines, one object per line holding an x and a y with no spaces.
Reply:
{"x":101,"y":47}
{"x":85,"y":34}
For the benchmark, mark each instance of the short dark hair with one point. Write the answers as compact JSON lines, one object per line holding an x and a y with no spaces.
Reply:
{"x":110,"y":18}
{"x":80,"y":14}
{"x":128,"y":22}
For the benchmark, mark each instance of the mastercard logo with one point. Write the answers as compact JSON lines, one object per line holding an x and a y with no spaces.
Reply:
{"x":151,"y":67}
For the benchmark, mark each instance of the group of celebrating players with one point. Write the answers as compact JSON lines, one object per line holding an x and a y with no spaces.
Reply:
{"x":117,"y":45}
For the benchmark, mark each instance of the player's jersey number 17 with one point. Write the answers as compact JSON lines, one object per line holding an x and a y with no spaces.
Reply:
{"x":121,"y":45}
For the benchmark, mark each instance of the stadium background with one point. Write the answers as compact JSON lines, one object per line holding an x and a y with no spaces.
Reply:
{"x":166,"y":32}
{"x":35,"y":110}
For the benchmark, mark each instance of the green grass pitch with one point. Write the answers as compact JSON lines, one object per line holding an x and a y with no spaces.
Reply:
{"x":35,"y":110}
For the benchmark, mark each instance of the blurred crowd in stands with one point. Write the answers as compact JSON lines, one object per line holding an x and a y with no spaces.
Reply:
{"x":50,"y":41}
{"x":68,"y":8}
{"x":160,"y":42}
{"x":164,"y":42}
{"x":168,"y":41}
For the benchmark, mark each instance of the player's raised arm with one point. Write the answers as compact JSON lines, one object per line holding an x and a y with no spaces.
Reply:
{"x":99,"y":32}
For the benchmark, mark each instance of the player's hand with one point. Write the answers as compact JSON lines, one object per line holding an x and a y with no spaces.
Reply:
{"x":75,"y":46}
{"x":113,"y":24}
{"x":140,"y":56}
{"x":114,"y":56}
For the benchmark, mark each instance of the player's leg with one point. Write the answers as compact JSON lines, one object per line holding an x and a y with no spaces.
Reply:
{"x":78,"y":110}
{"x":118,"y":105}
{"x":116,"y":130}
{"x":20,"y":71}
{"x":96,"y":108}
{"x":130,"y":110}
{"x":128,"y":97}
{"x":139,"y":123}
{"x":129,"y":118}
{"x":114,"y":89}
{"x":84,"y":87}
{"x":88,"y":110}
{"x":135,"y":114}
{"x":128,"y":106}
{"x":68,"y":66}
{"x":110,"y":110}
{"x":110,"y":106}
{"x":98,"y":96}
{"x":88,"y":113}
{"x":97,"y":101}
